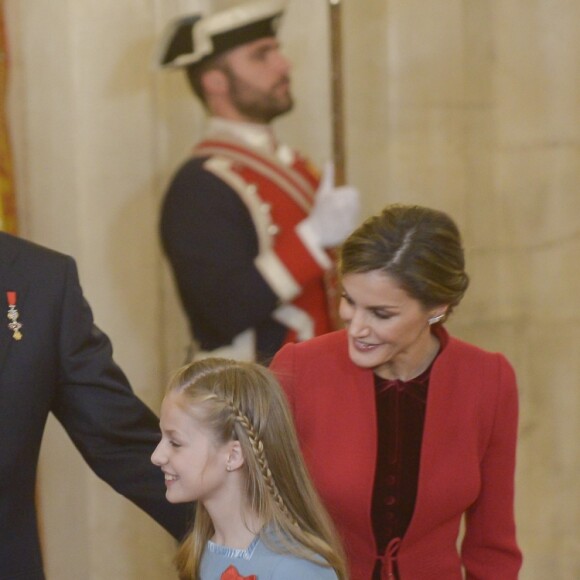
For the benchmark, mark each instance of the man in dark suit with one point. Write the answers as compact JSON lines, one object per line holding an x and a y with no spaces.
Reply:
{"x":54,"y":359}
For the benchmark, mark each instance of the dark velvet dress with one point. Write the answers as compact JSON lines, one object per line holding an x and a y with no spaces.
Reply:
{"x":401,"y":409}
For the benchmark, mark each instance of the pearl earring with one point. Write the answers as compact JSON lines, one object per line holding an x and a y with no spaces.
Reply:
{"x":436,"y":319}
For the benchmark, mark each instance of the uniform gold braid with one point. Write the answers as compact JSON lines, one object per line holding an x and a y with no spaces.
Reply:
{"x":258,"y":449}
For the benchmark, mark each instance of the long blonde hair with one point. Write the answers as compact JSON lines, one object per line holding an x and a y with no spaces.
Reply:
{"x":243,"y":401}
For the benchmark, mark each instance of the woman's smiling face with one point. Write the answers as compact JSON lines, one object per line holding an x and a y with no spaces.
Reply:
{"x":387,"y":328}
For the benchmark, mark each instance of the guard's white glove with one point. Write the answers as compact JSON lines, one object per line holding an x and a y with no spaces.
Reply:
{"x":335,"y":213}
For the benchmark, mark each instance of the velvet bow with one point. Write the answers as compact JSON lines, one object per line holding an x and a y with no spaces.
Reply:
{"x":232,"y":574}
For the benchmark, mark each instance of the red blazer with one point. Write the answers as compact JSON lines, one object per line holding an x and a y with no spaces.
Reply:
{"x":467,"y":457}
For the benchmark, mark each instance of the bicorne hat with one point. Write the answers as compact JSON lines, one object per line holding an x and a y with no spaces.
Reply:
{"x":190,"y":39}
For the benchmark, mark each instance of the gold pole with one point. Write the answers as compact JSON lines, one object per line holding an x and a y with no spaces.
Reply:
{"x":338,"y":140}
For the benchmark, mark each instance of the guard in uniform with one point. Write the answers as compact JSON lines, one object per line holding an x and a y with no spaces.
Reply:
{"x":247,"y":222}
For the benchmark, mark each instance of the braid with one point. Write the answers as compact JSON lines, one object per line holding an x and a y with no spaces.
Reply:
{"x":260,"y":455}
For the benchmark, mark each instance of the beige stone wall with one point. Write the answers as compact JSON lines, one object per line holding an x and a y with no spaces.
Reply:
{"x":472,"y":107}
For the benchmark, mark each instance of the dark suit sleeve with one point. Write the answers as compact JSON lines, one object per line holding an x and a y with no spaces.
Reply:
{"x":114,"y":431}
{"x":210,"y":240}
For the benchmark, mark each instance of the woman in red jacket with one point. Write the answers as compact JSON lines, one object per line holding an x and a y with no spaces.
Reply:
{"x":406,"y":429}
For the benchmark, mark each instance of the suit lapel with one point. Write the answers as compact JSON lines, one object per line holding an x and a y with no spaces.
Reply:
{"x":438,"y":433}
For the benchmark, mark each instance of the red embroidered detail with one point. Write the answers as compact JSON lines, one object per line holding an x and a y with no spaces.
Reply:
{"x":292,"y":180}
{"x":11,"y":297}
{"x":232,"y":574}
{"x":289,"y":174}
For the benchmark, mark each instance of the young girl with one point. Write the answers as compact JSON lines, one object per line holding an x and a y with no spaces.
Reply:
{"x":228,"y":443}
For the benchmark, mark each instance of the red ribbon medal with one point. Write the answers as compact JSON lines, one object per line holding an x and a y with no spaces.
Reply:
{"x":13,"y":315}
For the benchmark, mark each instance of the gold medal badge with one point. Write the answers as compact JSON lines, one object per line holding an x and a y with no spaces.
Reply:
{"x":13,"y":316}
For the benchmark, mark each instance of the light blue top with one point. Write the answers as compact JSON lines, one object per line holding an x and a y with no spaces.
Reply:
{"x":259,"y":560}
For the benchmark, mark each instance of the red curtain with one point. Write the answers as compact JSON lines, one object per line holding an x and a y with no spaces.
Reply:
{"x":7,"y":198}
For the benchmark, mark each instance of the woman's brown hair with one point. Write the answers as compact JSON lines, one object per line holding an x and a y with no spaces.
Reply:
{"x":419,"y":247}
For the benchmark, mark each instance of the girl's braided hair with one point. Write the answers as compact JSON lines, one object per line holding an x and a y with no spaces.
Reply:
{"x":261,"y":460}
{"x":243,"y":401}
